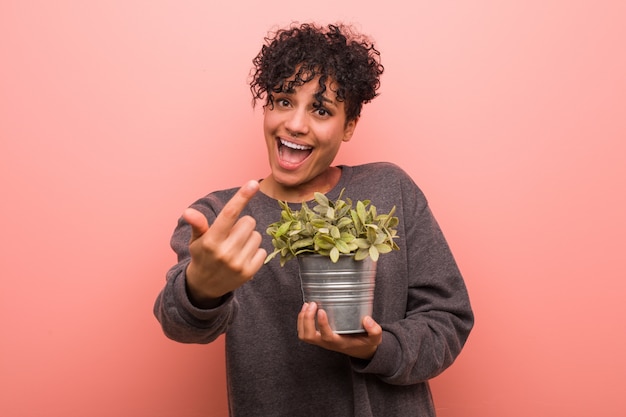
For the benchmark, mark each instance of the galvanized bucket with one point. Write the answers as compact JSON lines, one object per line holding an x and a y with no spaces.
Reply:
{"x":345,"y":289}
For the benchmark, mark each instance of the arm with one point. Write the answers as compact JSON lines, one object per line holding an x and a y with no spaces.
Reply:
{"x":438,"y":316}
{"x":184,"y":322}
{"x":425,"y":313}
{"x":197,"y":303}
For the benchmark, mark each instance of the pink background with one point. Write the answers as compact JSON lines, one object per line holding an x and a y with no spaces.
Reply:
{"x":114,"y":115}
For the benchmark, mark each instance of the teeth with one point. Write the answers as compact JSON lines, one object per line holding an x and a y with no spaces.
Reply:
{"x":294,"y":145}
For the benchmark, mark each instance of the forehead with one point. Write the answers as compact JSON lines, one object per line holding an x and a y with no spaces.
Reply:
{"x":310,"y":87}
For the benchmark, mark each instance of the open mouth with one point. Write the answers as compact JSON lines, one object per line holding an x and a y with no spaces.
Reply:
{"x":293,"y":153}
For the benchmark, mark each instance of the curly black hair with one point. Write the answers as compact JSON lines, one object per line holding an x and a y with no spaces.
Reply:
{"x":293,"y":56}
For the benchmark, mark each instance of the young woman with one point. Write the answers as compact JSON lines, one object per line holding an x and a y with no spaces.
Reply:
{"x":314,"y":81}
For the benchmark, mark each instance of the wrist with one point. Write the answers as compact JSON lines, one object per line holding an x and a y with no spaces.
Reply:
{"x":196,"y":296}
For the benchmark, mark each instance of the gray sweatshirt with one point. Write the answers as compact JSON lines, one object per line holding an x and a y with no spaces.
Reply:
{"x":420,"y":301}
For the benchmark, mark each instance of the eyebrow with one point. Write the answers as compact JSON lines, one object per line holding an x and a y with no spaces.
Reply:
{"x":325,"y":100}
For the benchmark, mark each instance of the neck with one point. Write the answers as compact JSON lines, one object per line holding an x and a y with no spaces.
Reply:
{"x":301,"y":192}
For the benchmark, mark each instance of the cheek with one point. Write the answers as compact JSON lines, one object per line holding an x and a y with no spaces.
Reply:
{"x":269,"y":125}
{"x":333,"y":137}
{"x":330,"y":147}
{"x":269,"y":116}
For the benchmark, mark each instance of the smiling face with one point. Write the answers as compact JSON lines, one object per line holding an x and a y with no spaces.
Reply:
{"x":303,"y":137}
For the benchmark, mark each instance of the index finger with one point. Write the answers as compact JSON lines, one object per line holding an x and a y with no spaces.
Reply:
{"x":233,"y":208}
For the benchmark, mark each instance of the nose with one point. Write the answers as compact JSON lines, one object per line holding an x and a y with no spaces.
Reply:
{"x":296,"y":122}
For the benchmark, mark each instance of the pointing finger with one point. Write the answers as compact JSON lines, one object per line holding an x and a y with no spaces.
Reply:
{"x":233,"y":208}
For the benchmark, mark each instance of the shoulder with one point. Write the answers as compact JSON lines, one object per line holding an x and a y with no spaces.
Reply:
{"x":384,"y":170}
{"x":382,"y":175}
{"x":386,"y":183}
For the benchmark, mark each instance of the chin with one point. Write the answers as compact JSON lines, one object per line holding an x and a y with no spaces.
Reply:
{"x":287,"y":181}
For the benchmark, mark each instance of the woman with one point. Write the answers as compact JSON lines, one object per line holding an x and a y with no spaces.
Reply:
{"x":314,"y":81}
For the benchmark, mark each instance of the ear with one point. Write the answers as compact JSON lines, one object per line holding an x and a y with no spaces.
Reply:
{"x":348,"y":131}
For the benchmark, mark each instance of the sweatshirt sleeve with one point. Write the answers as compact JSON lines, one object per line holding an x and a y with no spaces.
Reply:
{"x":179,"y":318}
{"x":438,"y":316}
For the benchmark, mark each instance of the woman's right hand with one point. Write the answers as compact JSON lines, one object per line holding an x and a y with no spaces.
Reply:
{"x":226,"y":254}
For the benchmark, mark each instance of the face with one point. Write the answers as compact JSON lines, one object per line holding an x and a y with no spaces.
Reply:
{"x":303,"y":138}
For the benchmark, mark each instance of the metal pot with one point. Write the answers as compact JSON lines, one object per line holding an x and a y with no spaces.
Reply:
{"x":345,"y":289}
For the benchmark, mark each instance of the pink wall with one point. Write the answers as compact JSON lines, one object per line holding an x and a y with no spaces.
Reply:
{"x":115,"y":115}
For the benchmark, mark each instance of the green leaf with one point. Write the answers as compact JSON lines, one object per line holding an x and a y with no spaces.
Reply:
{"x":285,"y":207}
{"x":302,"y":243}
{"x":361,"y":254}
{"x":347,"y":237}
{"x":361,"y":243}
{"x":271,"y":256}
{"x":321,"y":199}
{"x":380,"y":238}
{"x":283,"y":229}
{"x":360,"y":211}
{"x":324,"y":242}
{"x":318,"y":223}
{"x":321,"y":210}
{"x":358,"y":225}
{"x":334,"y":254}
{"x":371,"y":235}
{"x":393,"y":222}
{"x":373,"y":252}
{"x":344,"y":222}
{"x":342,"y":246}
{"x":279,"y":244}
{"x":383,"y":248}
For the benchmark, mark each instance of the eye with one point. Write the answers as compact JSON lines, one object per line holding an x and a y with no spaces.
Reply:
{"x":322,"y":111}
{"x":282,"y":102}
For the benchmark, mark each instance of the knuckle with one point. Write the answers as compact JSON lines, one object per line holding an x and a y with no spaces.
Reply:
{"x":327,"y":338}
{"x":220,"y":253}
{"x":230,"y":211}
{"x":248,"y":221}
{"x":256,"y":237}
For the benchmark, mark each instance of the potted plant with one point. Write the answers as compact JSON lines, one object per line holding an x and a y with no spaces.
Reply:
{"x":337,"y":246}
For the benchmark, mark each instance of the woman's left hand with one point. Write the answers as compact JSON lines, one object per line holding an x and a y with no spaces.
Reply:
{"x":361,"y":345}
